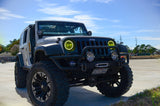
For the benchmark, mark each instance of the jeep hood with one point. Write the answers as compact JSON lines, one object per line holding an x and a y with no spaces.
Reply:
{"x":55,"y":38}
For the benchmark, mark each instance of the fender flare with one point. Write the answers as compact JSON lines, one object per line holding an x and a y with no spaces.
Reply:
{"x":19,"y":58}
{"x":122,"y":48}
{"x":50,"y":50}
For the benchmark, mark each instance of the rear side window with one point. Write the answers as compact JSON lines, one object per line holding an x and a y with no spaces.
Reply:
{"x":21,"y":39}
{"x":25,"y":36}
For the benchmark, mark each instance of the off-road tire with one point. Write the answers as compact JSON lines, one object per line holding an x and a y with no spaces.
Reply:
{"x":20,"y":76}
{"x":126,"y":77}
{"x":59,"y":86}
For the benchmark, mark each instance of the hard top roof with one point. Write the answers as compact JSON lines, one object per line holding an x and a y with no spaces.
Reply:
{"x":57,"y":21}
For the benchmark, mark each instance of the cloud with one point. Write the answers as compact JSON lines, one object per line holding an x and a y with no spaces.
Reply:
{"x":13,"y":15}
{"x":47,"y":5}
{"x":29,"y":22}
{"x":66,"y":13}
{"x":6,"y":14}
{"x":39,"y":0}
{"x":113,"y":21}
{"x":147,"y":30}
{"x":86,"y":17}
{"x":78,"y":0}
{"x":149,"y":38}
{"x":157,"y":46}
{"x":100,"y":1}
{"x":123,"y":33}
{"x":104,"y":1}
{"x":2,"y":10}
{"x":120,"y":26}
{"x":58,"y":10}
{"x":4,"y":18}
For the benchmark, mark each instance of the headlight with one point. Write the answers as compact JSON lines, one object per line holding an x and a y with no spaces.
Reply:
{"x":111,"y":43}
{"x":114,"y":55}
{"x":90,"y":56}
{"x":69,"y":45}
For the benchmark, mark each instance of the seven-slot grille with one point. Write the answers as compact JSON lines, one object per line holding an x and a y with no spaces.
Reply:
{"x":98,"y":51}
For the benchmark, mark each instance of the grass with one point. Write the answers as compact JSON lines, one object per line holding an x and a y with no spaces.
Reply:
{"x":145,"y":98}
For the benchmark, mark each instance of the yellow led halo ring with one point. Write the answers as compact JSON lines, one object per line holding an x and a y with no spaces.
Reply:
{"x":69,"y":45}
{"x":111,"y":43}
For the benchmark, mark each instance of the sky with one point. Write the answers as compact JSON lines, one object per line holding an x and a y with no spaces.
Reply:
{"x":130,"y":19}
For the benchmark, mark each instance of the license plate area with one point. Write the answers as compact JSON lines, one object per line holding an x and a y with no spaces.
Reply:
{"x":99,"y":71}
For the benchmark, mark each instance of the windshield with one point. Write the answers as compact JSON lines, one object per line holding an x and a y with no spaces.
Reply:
{"x":61,"y":28}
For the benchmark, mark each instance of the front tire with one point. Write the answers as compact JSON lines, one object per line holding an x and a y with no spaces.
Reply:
{"x":20,"y":76}
{"x":47,"y":85}
{"x":120,"y":84}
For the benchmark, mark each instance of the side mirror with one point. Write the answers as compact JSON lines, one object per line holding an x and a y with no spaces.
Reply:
{"x":40,"y":33}
{"x":89,"y":33}
{"x":30,"y":26}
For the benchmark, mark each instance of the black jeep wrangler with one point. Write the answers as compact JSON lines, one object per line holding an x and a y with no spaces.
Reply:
{"x":57,"y":55}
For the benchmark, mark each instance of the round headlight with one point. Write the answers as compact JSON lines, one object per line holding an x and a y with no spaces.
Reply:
{"x":111,"y":43}
{"x":69,"y":45}
{"x":114,"y":55}
{"x":90,"y":56}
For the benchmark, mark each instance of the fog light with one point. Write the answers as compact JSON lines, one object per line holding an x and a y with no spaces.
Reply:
{"x":114,"y":55}
{"x":90,"y":56}
{"x":72,"y":63}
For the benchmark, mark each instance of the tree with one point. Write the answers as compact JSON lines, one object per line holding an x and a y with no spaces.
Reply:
{"x":129,"y":50}
{"x":136,"y":49}
{"x":12,"y":43}
{"x":2,"y":48}
{"x":14,"y":50}
{"x":144,"y":49}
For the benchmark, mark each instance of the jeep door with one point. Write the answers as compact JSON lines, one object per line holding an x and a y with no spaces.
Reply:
{"x":25,"y":48}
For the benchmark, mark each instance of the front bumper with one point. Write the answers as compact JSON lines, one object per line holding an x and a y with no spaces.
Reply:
{"x":85,"y":65}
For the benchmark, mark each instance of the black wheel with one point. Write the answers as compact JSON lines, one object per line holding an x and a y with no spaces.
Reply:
{"x":47,"y":85}
{"x":119,"y":85}
{"x":20,"y":76}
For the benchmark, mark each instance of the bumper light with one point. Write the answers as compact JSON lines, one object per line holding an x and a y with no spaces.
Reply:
{"x":90,"y":56}
{"x":114,"y":56}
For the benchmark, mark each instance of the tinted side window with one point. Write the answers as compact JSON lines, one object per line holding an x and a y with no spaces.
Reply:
{"x":25,"y":37}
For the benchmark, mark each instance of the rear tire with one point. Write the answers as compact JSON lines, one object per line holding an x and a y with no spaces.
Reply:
{"x":47,"y":85}
{"x":20,"y":76}
{"x":120,"y":84}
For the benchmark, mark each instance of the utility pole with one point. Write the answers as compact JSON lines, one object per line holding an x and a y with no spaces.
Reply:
{"x":121,"y":40}
{"x":136,"y":41}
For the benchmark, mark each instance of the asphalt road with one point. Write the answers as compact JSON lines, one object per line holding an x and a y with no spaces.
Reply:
{"x":146,"y":75}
